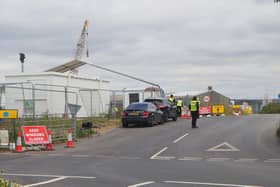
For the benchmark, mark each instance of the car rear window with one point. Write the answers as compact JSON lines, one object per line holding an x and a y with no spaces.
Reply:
{"x":137,"y":106}
{"x":155,"y":101}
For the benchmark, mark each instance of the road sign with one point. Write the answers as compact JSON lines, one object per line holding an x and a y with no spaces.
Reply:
{"x":35,"y":134}
{"x":74,"y":109}
{"x":218,"y":109}
{"x":205,"y":110}
{"x":206,"y":98}
{"x":9,"y":114}
{"x":223,"y":147}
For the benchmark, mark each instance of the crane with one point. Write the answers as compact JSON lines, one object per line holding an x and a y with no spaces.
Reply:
{"x":76,"y":63}
{"x":82,"y":43}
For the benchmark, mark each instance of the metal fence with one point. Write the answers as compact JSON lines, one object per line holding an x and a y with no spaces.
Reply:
{"x":37,"y":99}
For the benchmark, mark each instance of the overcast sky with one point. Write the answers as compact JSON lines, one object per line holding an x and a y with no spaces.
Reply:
{"x":183,"y":45}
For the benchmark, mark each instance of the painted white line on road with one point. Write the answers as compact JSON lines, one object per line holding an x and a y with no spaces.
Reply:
{"x":180,"y":138}
{"x":45,"y":182}
{"x":158,"y":153}
{"x":229,"y":148}
{"x":217,"y":159}
{"x":142,"y":184}
{"x":129,"y":158}
{"x":164,"y":158}
{"x":246,"y":160}
{"x":272,"y":160}
{"x":209,"y":184}
{"x":80,"y":156}
{"x":56,"y":154}
{"x":190,"y":159}
{"x":38,"y":175}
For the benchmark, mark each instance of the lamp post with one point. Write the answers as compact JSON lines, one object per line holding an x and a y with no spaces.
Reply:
{"x":22,"y":58}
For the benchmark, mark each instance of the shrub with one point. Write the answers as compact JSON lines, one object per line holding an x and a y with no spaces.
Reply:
{"x":271,"y":108}
{"x":278,"y":132}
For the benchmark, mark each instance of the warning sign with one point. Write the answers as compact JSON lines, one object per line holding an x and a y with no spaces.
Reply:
{"x":205,"y":110}
{"x":218,"y":109}
{"x":35,"y":134}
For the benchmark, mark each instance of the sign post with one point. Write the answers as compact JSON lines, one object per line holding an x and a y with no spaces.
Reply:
{"x":74,"y":110}
{"x":10,"y":114}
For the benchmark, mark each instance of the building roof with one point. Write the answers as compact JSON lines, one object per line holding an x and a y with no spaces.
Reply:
{"x":65,"y":75}
{"x":67,"y":66}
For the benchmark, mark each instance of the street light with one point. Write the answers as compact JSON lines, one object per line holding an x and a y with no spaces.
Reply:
{"x":21,"y":58}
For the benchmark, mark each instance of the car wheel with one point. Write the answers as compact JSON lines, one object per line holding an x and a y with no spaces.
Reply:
{"x":161,"y":121}
{"x":165,"y":117}
{"x":125,"y":125}
{"x":174,"y":118}
{"x":151,"y":121}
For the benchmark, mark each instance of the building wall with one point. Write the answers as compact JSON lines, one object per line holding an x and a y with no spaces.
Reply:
{"x":215,"y":99}
{"x":53,"y":100}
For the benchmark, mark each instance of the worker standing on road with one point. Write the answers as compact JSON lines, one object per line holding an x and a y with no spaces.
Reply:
{"x":194,"y":108}
{"x":180,"y":105}
{"x":171,"y":100}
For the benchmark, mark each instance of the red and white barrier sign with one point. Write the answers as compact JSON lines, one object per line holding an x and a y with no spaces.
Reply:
{"x":35,"y":134}
{"x":205,"y":110}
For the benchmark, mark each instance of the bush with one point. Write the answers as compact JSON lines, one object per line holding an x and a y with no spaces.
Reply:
{"x":278,"y":132}
{"x":271,"y":108}
{"x":7,"y":183}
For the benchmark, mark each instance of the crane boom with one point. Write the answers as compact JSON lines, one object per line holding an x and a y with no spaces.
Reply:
{"x":82,"y":42}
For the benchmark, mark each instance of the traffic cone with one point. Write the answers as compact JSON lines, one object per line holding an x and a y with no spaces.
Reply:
{"x":19,"y":148}
{"x":69,"y":143}
{"x":49,"y":146}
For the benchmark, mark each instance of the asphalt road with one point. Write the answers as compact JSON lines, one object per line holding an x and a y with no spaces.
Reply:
{"x":223,"y":151}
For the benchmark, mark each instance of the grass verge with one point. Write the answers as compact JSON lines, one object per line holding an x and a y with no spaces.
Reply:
{"x":278,"y":131}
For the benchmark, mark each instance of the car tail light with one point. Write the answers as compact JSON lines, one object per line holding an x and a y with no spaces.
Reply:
{"x":161,"y":106}
{"x":146,"y":113}
{"x":123,"y":113}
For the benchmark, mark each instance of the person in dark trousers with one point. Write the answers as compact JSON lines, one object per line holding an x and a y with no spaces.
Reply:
{"x":180,"y":105}
{"x":194,"y":108}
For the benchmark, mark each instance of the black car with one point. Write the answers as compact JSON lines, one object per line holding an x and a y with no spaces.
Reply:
{"x":141,"y":113}
{"x":169,"y":111}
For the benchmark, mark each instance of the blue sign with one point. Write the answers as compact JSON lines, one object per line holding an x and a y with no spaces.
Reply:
{"x":278,"y":96}
{"x":6,"y":114}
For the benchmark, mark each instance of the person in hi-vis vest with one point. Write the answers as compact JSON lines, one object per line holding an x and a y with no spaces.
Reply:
{"x":180,"y":105}
{"x":194,"y":108}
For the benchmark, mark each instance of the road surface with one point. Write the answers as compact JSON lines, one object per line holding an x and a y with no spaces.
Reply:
{"x":224,"y":151}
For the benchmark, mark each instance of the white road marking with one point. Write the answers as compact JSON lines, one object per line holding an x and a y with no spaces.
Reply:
{"x":191,"y":158}
{"x":80,"y":156}
{"x":272,"y":160}
{"x":142,"y":184}
{"x":229,"y":148}
{"x":246,"y":160}
{"x":158,"y":153}
{"x":45,"y":182}
{"x":164,"y":157}
{"x":180,"y":138}
{"x":209,"y":184}
{"x":217,"y":159}
{"x":129,"y":158}
{"x":56,"y":154}
{"x":56,"y":178}
{"x":38,"y":175}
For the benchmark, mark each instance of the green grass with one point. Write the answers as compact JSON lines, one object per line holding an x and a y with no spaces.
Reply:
{"x":8,"y":183}
{"x":278,"y":132}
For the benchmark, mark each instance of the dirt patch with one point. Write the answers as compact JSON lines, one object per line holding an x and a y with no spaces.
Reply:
{"x":108,"y":126}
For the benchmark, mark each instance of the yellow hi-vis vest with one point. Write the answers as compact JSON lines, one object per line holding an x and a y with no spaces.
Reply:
{"x":180,"y":103}
{"x":194,"y":106}
{"x":171,"y":100}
